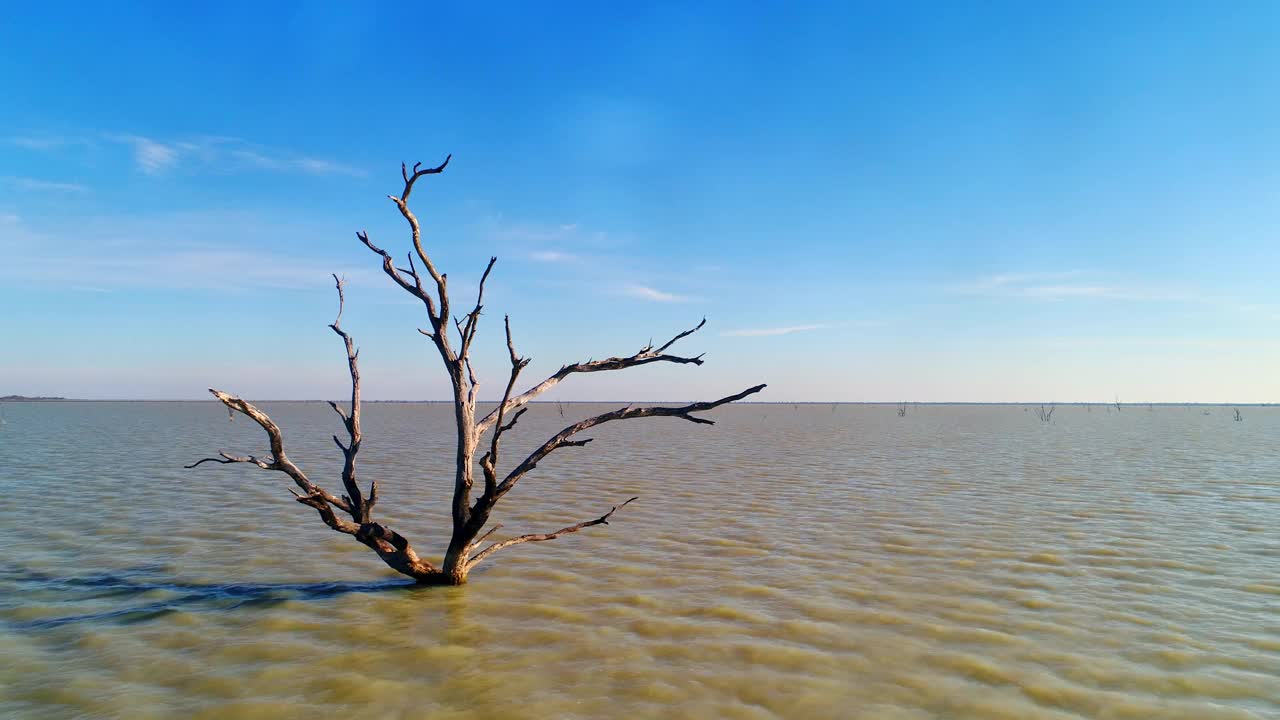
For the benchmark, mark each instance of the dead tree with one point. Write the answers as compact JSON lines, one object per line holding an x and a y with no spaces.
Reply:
{"x":902,"y":409}
{"x":1238,"y":417}
{"x":1045,"y":415}
{"x":351,"y":512}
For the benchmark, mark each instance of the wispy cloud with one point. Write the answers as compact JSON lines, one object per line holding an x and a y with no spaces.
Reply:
{"x":591,"y":260}
{"x":768,"y":332}
{"x":1259,"y":309}
{"x":552,"y":256}
{"x":552,"y":243}
{"x":24,"y":183}
{"x":177,"y":251}
{"x":1023,"y":278}
{"x":151,"y":156}
{"x":547,"y":242}
{"x":1068,"y":285}
{"x":644,"y":292}
{"x":156,"y":156}
{"x":42,"y":142}
{"x":1060,"y":292}
{"x":285,"y":163}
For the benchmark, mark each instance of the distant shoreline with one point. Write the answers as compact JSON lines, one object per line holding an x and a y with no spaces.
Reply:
{"x":824,"y":403}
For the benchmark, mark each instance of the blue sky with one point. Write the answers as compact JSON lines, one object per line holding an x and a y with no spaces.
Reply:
{"x":915,"y":201}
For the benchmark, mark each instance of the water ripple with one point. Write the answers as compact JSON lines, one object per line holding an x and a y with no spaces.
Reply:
{"x":801,"y":562}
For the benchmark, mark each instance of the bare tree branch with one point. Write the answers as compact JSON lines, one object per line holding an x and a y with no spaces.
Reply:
{"x":338,"y":409}
{"x":464,"y":405}
{"x":602,"y":520}
{"x":398,"y":556}
{"x":402,"y":202}
{"x":645,"y":356}
{"x":468,"y":332}
{"x":396,"y":552}
{"x":278,"y":459}
{"x":490,"y":460}
{"x":326,"y":513}
{"x":226,"y":459}
{"x":562,"y":438}
{"x":413,"y":288}
{"x":485,"y":536}
{"x":360,"y":507}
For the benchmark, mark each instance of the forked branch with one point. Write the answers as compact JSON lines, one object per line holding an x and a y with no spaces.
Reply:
{"x":360,"y":505}
{"x":390,"y":546}
{"x":402,"y":203}
{"x":602,"y":520}
{"x":413,"y":288}
{"x":489,"y":462}
{"x":644,"y":356}
{"x":278,"y":460}
{"x":564,"y":437}
{"x":468,"y":329}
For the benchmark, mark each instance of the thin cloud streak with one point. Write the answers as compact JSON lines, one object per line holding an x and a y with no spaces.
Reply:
{"x":155,"y":156}
{"x":307,"y":165}
{"x":25,"y":183}
{"x":160,"y":252}
{"x":645,"y":292}
{"x":569,"y":239}
{"x":553,"y":256}
{"x":770,"y":332}
{"x":43,"y":143}
{"x":1068,"y":285}
{"x":151,"y":157}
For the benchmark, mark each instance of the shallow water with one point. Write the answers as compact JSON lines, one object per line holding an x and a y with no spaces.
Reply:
{"x":791,"y":561}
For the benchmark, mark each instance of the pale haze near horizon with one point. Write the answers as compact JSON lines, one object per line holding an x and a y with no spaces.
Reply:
{"x":924,"y":204}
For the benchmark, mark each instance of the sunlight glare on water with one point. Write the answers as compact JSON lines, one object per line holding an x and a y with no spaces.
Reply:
{"x":810,"y":561}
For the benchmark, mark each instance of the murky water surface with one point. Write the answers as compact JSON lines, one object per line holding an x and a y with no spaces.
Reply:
{"x":799,"y":562}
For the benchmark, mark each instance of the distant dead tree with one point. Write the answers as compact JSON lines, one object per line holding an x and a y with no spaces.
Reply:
{"x":469,"y":516}
{"x":902,"y":409}
{"x":1045,"y":415}
{"x":1238,"y":417}
{"x":1117,"y":403}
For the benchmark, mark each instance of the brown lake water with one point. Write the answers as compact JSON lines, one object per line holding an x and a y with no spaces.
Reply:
{"x":808,"y":561}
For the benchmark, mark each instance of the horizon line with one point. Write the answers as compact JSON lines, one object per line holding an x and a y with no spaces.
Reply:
{"x":1079,"y":403}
